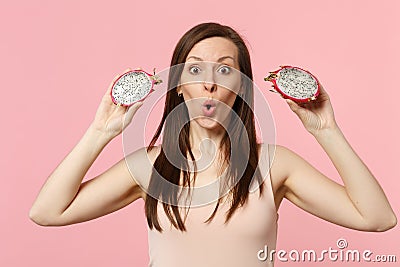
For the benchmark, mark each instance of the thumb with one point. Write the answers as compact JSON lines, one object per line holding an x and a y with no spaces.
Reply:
{"x":295,"y":107}
{"x":292,"y":105}
{"x":131,"y":112}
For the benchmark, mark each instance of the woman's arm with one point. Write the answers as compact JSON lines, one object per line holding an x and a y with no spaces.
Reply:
{"x":64,"y":199}
{"x":361,"y":203}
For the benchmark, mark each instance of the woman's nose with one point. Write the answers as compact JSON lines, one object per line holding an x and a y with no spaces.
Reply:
{"x":210,"y":86}
{"x":209,"y":82}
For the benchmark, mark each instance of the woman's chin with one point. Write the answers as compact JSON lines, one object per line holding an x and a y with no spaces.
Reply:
{"x":208,"y":123}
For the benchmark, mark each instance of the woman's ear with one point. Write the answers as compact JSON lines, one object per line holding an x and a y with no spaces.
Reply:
{"x":179,"y":91}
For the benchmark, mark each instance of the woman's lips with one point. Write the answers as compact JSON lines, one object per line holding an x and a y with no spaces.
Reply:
{"x":208,"y":111}
{"x":209,"y":108}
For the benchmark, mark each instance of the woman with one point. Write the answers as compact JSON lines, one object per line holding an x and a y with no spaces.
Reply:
{"x":231,"y":230}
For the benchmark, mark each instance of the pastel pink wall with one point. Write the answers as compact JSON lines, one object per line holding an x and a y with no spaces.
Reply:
{"x":58,"y":57}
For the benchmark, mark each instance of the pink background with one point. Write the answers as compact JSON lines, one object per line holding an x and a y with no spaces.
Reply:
{"x":58,"y":57}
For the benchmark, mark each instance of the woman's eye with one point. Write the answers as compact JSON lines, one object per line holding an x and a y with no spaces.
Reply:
{"x":224,"y":70}
{"x":194,"y":70}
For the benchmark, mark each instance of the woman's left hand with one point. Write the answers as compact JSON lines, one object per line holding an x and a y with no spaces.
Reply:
{"x":315,"y":115}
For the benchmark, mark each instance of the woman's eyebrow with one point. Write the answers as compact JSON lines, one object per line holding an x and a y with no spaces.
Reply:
{"x":219,"y":60}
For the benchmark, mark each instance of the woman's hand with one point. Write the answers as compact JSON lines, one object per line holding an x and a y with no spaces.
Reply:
{"x":315,"y":115}
{"x":111,"y":119}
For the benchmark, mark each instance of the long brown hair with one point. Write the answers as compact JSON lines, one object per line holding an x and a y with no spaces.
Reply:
{"x":173,"y":144}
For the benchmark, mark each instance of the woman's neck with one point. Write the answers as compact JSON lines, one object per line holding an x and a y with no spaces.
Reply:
{"x":205,"y":140}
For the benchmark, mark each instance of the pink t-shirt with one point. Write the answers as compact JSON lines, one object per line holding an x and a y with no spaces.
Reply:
{"x":252,"y":228}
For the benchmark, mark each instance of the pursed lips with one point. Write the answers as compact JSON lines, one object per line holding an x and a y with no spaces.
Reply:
{"x":209,"y":103}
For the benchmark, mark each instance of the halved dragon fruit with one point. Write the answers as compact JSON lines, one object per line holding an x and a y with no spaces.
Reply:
{"x":133,"y":86}
{"x":294,"y":83}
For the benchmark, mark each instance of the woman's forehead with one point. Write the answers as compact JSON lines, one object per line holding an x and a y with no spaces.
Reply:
{"x":213,"y":49}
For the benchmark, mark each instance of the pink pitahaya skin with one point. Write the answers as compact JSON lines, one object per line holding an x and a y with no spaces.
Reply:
{"x":273,"y":78}
{"x":153,"y":82}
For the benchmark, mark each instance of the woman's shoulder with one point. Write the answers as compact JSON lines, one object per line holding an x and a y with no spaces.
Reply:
{"x":274,"y":150}
{"x":140,"y":164}
{"x":269,"y":150}
{"x":279,"y":158}
{"x":153,"y":152}
{"x":147,"y":153}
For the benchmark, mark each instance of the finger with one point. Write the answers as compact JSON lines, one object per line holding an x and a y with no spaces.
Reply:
{"x":304,"y":105}
{"x":321,"y":88}
{"x":117,"y":110}
{"x":295,"y":107}
{"x":291,"y":104}
{"x":131,"y":112}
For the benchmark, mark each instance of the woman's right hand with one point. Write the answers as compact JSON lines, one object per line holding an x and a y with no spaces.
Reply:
{"x":111,"y":119}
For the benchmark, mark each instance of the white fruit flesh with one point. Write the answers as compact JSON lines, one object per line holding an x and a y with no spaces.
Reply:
{"x":131,"y":87}
{"x":297,"y":83}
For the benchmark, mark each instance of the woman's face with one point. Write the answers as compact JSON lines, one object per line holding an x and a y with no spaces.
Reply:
{"x":210,"y":81}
